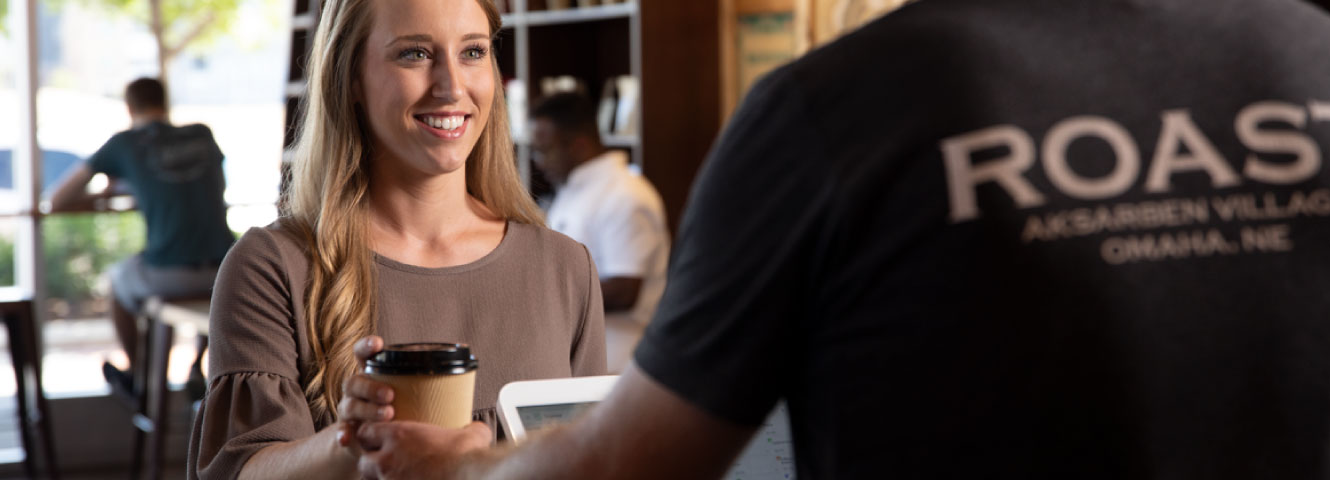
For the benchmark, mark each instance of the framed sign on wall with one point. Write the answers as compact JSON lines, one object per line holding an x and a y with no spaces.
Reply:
{"x":756,"y":36}
{"x":833,"y":18}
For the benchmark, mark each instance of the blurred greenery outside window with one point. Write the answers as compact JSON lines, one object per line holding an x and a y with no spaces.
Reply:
{"x":77,"y":250}
{"x":7,"y":260}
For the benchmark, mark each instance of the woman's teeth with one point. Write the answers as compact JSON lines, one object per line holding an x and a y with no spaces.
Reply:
{"x":444,"y":123}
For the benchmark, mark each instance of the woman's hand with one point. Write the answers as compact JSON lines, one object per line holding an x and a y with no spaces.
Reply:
{"x":413,"y":450}
{"x":363,"y":399}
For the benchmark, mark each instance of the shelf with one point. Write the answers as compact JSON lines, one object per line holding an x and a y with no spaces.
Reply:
{"x":304,"y":21}
{"x":571,"y":15}
{"x":295,"y":89}
{"x":620,"y":141}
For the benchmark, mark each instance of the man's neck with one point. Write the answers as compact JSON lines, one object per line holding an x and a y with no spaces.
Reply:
{"x":591,"y":153}
{"x":586,"y":157}
{"x":141,"y":119}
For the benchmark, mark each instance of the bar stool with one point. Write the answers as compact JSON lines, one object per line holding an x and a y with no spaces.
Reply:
{"x":153,"y":399}
{"x":33,"y":412}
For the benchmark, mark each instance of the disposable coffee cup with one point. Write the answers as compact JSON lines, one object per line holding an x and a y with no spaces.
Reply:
{"x":432,"y":382}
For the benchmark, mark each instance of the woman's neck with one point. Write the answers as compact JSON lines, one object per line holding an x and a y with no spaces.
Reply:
{"x":430,"y":222}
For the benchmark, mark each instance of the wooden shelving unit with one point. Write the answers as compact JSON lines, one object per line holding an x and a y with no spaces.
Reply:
{"x":304,"y":20}
{"x":572,"y":15}
{"x":592,"y":44}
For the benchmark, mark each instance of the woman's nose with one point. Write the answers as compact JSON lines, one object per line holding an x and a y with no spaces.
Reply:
{"x":447,"y":81}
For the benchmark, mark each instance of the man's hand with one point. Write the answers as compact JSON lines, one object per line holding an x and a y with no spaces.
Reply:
{"x":363,"y":399}
{"x":414,"y":450}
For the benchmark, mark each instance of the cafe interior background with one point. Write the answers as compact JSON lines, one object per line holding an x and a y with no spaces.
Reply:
{"x":235,"y":65}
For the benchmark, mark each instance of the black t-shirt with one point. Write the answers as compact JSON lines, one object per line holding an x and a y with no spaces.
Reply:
{"x":1023,"y":239}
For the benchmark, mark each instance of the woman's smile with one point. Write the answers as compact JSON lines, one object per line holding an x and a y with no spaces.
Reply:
{"x":445,"y":125}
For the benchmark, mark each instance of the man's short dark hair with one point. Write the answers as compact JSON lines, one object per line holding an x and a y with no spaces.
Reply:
{"x":145,"y":94}
{"x":571,"y":114}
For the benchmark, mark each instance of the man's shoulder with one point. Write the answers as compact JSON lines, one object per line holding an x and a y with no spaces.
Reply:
{"x":115,"y":152}
{"x":193,"y":129}
{"x":623,"y":183}
{"x":121,"y":139}
{"x":635,"y":191}
{"x":611,"y":199}
{"x":194,"y":132}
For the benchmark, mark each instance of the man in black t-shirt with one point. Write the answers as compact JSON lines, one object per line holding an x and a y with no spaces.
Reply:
{"x":992,"y":239}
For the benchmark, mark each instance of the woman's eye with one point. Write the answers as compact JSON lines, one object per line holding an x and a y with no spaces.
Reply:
{"x":474,"y":53}
{"x":413,"y":54}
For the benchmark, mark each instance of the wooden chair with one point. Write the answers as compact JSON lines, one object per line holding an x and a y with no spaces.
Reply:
{"x":33,"y":413}
{"x":152,"y":402}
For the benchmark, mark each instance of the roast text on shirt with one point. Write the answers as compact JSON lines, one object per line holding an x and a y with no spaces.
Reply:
{"x":1262,"y":127}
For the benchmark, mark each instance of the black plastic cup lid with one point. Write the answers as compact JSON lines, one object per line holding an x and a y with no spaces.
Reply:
{"x":422,"y":359}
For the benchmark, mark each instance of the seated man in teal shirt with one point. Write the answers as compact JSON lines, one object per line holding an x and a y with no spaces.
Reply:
{"x":175,"y":176}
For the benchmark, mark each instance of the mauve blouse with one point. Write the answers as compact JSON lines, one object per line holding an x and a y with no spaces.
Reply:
{"x":530,"y":309}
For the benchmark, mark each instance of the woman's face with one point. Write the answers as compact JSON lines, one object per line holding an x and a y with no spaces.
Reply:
{"x":426,"y":83}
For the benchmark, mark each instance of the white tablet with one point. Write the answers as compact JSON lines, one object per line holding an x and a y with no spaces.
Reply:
{"x":526,"y":407}
{"x":531,"y":405}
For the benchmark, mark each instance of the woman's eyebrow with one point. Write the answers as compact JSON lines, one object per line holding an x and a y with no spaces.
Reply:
{"x":421,"y":37}
{"x":418,"y":37}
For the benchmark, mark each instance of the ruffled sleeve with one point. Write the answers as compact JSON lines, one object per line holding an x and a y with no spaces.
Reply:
{"x":254,"y":395}
{"x":242,"y":414}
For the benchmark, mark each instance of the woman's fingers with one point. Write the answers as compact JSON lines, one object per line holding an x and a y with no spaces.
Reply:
{"x":366,"y":389}
{"x":415,"y":450}
{"x":365,"y":400}
{"x":372,"y":436}
{"x":367,"y":347}
{"x":353,"y":409}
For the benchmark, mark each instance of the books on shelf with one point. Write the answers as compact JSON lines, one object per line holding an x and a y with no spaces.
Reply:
{"x":515,"y":94}
{"x":616,"y":112}
{"x":625,"y":115}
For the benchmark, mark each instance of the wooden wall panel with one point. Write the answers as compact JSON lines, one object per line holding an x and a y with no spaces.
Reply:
{"x":681,"y":94}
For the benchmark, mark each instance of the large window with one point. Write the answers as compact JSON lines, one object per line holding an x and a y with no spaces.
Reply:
{"x":231,"y":79}
{"x":11,"y":231}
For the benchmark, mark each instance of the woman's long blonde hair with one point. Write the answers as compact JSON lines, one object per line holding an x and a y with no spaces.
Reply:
{"x":329,"y":193}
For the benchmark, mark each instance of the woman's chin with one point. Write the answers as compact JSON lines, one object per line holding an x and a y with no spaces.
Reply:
{"x":442,"y":164}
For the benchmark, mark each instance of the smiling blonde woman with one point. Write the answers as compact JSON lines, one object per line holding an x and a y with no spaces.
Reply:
{"x":406,"y":221}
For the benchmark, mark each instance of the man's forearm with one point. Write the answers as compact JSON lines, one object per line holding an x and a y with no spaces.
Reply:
{"x":553,"y":455}
{"x":72,"y":191}
{"x":82,"y":203}
{"x":615,"y":440}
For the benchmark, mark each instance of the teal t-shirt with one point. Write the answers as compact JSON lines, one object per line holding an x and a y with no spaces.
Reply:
{"x":175,"y":174}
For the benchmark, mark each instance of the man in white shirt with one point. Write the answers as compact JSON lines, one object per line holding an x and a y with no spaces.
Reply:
{"x":612,"y":210}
